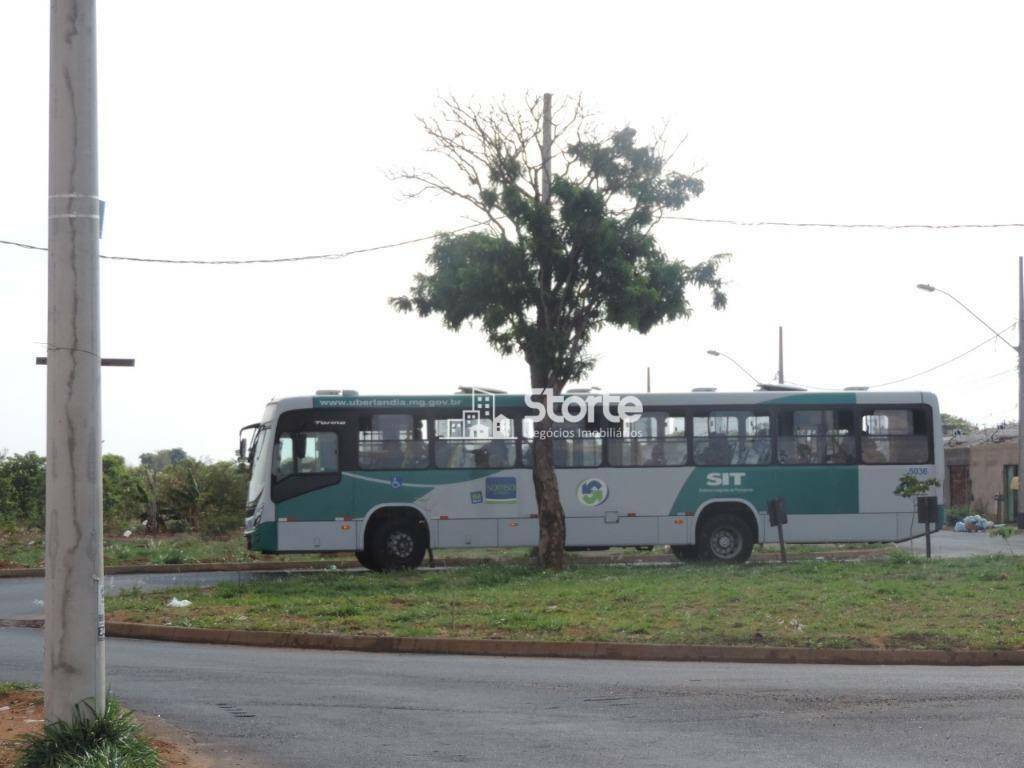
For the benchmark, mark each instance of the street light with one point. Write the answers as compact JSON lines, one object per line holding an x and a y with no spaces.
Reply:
{"x":1019,"y":349}
{"x":716,"y":353}
{"x":932,"y":289}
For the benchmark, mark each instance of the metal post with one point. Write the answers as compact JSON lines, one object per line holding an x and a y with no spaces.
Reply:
{"x":928,"y":540}
{"x":74,"y":663}
{"x":777,"y":518}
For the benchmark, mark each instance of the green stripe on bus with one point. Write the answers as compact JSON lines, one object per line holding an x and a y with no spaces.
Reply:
{"x":359,"y":492}
{"x":816,"y":490}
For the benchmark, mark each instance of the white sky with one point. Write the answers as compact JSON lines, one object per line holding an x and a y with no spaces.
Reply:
{"x":258,"y":129}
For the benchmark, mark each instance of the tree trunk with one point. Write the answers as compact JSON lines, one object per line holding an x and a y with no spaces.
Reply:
{"x":550,"y":516}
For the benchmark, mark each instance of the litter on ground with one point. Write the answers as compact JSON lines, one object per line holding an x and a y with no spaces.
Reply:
{"x":972,"y":523}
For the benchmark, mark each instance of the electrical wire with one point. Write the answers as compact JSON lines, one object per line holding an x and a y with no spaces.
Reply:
{"x":411,"y":241}
{"x":280,"y":260}
{"x":927,"y":370}
{"x":839,"y":225}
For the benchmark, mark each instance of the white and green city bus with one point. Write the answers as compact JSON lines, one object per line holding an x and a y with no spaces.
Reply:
{"x":388,"y":477}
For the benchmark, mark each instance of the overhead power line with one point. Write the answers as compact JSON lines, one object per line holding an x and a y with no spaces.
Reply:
{"x":425,"y":238}
{"x":279,"y":260}
{"x":838,"y":225}
{"x":936,"y":367}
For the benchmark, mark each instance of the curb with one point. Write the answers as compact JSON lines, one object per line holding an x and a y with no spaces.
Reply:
{"x":319,"y":565}
{"x":558,"y":650}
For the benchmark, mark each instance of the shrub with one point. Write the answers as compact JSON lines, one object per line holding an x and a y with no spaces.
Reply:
{"x":113,"y":739}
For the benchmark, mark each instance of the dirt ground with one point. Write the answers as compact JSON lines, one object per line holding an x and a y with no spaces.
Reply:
{"x":21,"y":712}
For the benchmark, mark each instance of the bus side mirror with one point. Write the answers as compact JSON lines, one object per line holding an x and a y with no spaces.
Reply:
{"x":241,"y":449}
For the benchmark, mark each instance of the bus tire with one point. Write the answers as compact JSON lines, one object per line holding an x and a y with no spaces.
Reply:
{"x":725,"y":538}
{"x":365,"y":560}
{"x":686,"y":553}
{"x":398,"y":545}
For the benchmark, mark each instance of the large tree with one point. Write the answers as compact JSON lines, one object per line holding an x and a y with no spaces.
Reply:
{"x":543,"y":277}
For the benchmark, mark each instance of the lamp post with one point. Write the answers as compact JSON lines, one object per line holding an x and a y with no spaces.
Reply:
{"x":1019,"y":349}
{"x":716,"y":353}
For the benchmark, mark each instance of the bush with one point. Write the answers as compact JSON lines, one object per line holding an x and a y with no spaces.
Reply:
{"x":23,"y":489}
{"x":188,"y":494}
{"x":113,"y":739}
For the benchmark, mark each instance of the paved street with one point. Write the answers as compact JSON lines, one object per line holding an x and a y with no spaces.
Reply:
{"x":312,"y":708}
{"x":952,"y":544}
{"x":316,"y":708}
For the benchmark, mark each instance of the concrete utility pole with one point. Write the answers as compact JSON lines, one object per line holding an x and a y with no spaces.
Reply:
{"x":1020,"y":390}
{"x":74,"y":663}
{"x":782,"y":376}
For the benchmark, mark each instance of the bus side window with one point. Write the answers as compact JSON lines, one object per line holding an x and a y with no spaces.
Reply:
{"x":526,"y":431}
{"x":732,"y":438}
{"x":894,"y":436}
{"x":284,"y":462}
{"x":816,"y":437}
{"x":393,"y":441}
{"x":305,"y":453}
{"x":486,"y":444}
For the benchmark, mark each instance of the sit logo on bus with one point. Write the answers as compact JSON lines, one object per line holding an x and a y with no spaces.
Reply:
{"x":725,"y":478}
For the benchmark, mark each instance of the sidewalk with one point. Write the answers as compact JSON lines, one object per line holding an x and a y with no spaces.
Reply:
{"x":952,"y":544}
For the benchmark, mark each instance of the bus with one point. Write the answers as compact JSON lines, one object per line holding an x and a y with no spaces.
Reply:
{"x":389,"y":477}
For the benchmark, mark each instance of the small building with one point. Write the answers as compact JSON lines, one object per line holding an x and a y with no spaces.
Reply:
{"x":980,"y":471}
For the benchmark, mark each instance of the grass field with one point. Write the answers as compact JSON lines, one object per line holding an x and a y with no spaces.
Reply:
{"x":901,"y":602}
{"x":24,"y":549}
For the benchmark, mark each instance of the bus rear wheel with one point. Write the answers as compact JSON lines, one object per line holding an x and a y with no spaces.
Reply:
{"x":725,"y":538}
{"x":398,"y":545}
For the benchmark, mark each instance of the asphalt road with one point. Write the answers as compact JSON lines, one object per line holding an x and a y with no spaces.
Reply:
{"x":319,"y":708}
{"x":953,"y":544}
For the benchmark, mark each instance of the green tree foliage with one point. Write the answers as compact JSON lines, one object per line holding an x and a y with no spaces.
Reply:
{"x":189,"y":494}
{"x":951,"y":423}
{"x":161,"y":460}
{"x":124,"y":496}
{"x":201,"y":497}
{"x":543,"y":279}
{"x":23,"y":489}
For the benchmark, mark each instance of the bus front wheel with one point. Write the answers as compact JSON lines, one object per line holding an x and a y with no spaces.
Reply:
{"x":398,"y":545}
{"x":725,"y":538}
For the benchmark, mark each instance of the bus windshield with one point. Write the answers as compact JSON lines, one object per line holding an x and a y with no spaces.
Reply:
{"x":260,"y":454}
